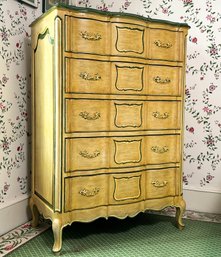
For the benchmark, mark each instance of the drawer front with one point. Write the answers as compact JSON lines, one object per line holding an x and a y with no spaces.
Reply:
{"x":87,"y":115}
{"x":86,"y":192}
{"x":86,"y":154}
{"x":164,"y":80}
{"x":87,"y":36}
{"x":120,"y":152}
{"x":109,"y":115}
{"x":125,"y":188}
{"x":163,"y":115}
{"x":162,"y":183}
{"x":87,"y":76}
{"x":165,"y":45}
{"x":162,"y":149}
{"x":128,"y":40}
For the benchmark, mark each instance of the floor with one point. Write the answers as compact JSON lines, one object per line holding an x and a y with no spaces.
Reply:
{"x":21,"y":235}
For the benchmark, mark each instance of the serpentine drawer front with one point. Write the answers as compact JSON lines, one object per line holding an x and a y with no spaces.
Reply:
{"x":107,"y":116}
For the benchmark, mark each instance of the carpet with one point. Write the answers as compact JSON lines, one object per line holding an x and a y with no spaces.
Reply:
{"x":144,"y":235}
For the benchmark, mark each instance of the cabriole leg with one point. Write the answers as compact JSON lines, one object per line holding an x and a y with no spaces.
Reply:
{"x":35,"y":213}
{"x":57,"y":230}
{"x":180,"y":209}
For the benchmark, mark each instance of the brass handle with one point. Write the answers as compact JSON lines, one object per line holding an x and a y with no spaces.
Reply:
{"x":87,"y":116}
{"x":159,"y":184}
{"x":160,"y":150}
{"x":87,"y":76}
{"x":87,"y":155}
{"x":90,"y":36}
{"x":159,"y":80}
{"x":89,"y":193}
{"x":163,"y":116}
{"x":158,"y":43}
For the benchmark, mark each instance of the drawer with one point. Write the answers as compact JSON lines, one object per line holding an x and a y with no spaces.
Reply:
{"x":126,"y":188}
{"x":165,"y":45}
{"x":164,"y":80}
{"x":109,"y":115}
{"x":87,"y":36}
{"x":87,"y":76}
{"x":162,"y":149}
{"x":86,"y":154}
{"x":163,"y":115}
{"x":162,"y":183}
{"x":120,"y":152}
{"x":128,"y":40}
{"x":85,"y":192}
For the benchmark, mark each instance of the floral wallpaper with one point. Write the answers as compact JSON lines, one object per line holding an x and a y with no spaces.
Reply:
{"x":15,"y":129}
{"x":202,"y":144}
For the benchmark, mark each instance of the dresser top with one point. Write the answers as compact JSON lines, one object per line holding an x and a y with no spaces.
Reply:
{"x":62,"y":6}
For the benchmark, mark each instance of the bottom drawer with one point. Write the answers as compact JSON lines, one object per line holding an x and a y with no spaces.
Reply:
{"x":162,"y":183}
{"x":91,"y":191}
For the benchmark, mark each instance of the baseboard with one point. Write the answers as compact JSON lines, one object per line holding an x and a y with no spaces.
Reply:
{"x":14,"y":215}
{"x":201,"y":201}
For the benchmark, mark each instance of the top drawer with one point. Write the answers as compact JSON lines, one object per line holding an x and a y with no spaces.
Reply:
{"x":85,"y":35}
{"x":165,"y":45}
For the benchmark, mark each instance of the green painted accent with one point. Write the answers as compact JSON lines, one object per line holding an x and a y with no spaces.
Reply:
{"x":41,"y":36}
{"x":109,"y":14}
{"x":145,"y":235}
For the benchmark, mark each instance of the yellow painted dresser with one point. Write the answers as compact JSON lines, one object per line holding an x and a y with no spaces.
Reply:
{"x":107,"y":113}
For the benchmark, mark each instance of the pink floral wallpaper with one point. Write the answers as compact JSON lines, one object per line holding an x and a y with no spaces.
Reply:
{"x":202,"y":149}
{"x":15,"y":127}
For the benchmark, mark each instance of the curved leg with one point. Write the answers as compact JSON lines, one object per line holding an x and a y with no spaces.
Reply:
{"x":57,"y":230}
{"x":180,"y":209}
{"x":35,"y":213}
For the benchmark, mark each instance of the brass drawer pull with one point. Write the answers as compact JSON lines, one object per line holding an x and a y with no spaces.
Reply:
{"x":86,"y":115}
{"x":158,"y":43}
{"x":163,"y":116}
{"x":90,"y":36}
{"x":160,"y":150}
{"x":159,"y":80}
{"x":159,"y":184}
{"x":89,"y":193}
{"x":87,"y":76}
{"x":87,"y":155}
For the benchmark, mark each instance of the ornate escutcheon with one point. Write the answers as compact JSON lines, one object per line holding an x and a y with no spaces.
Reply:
{"x":87,"y":155}
{"x":159,"y":80}
{"x":90,"y":36}
{"x":160,"y":150}
{"x":158,"y":43}
{"x":89,"y":193}
{"x":163,"y":116}
{"x":86,"y":76}
{"x":157,"y":183}
{"x":86,"y":115}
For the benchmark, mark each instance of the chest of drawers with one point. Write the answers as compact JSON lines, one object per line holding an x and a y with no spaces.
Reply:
{"x":107,"y":116}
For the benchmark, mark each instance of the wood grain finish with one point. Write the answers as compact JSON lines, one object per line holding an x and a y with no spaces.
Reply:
{"x":107,"y":122}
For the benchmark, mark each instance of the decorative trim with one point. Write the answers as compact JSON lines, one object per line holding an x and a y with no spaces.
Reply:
{"x":127,"y":179}
{"x":159,"y":80}
{"x":158,"y":43}
{"x":87,"y":76}
{"x":89,"y":193}
{"x":87,"y":155}
{"x":157,"y":183}
{"x":127,"y":142}
{"x":42,"y":35}
{"x":159,"y":150}
{"x":132,"y":120}
{"x":90,"y":36}
{"x":125,"y":50}
{"x":86,"y":115}
{"x":129,"y":67}
{"x":163,"y":116}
